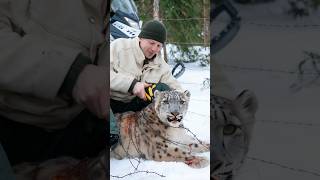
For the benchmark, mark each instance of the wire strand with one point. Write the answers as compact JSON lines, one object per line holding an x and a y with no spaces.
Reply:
{"x":284,"y":166}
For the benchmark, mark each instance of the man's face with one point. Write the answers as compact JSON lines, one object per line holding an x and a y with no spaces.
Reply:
{"x":150,"y":47}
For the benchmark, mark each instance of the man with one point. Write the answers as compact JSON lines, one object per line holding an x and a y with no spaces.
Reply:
{"x":136,"y":64}
{"x":53,"y":78}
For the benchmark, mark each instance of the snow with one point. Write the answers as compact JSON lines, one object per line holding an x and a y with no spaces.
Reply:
{"x":197,"y":121}
{"x":286,"y":135}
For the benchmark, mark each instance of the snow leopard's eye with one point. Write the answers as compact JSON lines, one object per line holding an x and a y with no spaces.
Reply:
{"x":229,"y":129}
{"x":182,"y":102}
{"x":165,"y":101}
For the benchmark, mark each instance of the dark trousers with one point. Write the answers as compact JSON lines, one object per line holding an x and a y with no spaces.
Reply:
{"x":135,"y":105}
{"x":84,"y":137}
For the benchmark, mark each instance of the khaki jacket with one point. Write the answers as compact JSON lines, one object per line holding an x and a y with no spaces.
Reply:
{"x":126,"y":64}
{"x":40,"y":39}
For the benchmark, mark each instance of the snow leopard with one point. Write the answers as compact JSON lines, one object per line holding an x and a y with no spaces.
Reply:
{"x":232,"y":122}
{"x":157,"y":133}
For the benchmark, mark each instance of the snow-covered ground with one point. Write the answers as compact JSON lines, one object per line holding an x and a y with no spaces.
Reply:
{"x":262,"y":58}
{"x":197,"y":120}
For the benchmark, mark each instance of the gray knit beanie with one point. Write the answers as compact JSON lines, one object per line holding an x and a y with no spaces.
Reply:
{"x":154,"y":30}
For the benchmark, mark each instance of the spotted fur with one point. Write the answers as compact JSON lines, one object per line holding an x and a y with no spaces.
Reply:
{"x":157,"y":133}
{"x":232,"y":122}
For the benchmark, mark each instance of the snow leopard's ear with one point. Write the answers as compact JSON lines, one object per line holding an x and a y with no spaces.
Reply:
{"x":187,"y":93}
{"x":156,"y":93}
{"x":247,"y":102}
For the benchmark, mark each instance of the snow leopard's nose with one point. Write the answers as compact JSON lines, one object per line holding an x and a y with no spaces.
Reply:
{"x":175,"y":114}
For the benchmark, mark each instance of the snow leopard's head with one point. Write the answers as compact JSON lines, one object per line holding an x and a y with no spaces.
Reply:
{"x":171,"y":106}
{"x":231,"y":128}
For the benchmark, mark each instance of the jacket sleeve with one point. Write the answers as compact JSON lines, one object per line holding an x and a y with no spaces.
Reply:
{"x":118,"y":81}
{"x":168,"y":79}
{"x":30,"y":64}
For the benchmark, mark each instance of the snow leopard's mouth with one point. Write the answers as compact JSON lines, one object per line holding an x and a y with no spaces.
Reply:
{"x":174,"y":119}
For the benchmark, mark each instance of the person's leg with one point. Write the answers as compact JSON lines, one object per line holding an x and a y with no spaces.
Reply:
{"x":113,"y":124}
{"x":114,"y":130}
{"x":85,"y":136}
{"x":120,"y":107}
{"x":23,"y":142}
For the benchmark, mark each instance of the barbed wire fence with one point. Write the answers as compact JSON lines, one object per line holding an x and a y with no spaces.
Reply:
{"x":304,"y":74}
{"x":277,"y":164}
{"x":135,"y":162}
{"x":138,"y":150}
{"x":206,"y":83}
{"x":189,"y":51}
{"x":135,"y":167}
{"x":272,"y":25}
{"x":299,"y":170}
{"x":294,"y":123}
{"x":307,"y":71}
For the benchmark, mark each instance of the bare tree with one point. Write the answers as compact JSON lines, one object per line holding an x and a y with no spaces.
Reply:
{"x":206,"y":22}
{"x":156,"y":4}
{"x":156,"y":16}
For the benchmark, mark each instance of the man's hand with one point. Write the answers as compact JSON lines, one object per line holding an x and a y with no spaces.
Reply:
{"x":91,"y":90}
{"x":139,"y":91}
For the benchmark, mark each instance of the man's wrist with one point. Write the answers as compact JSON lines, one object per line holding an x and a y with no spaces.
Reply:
{"x":134,"y":82}
{"x":76,"y":68}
